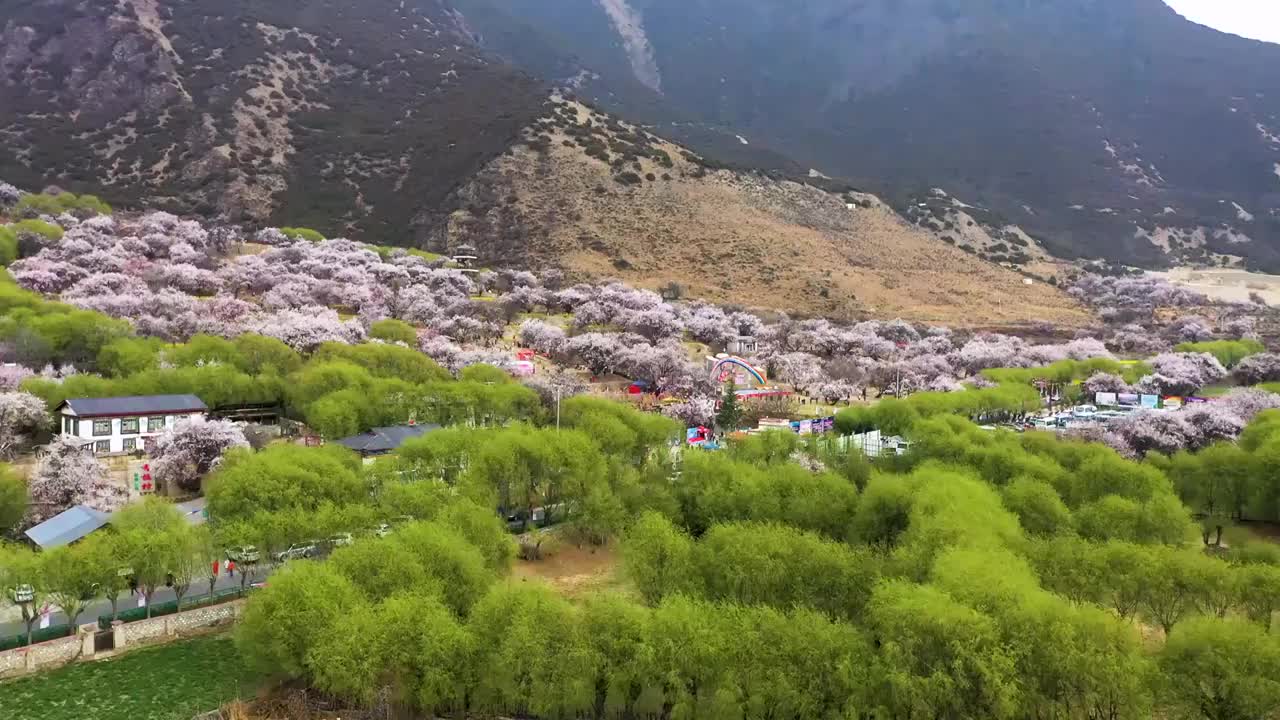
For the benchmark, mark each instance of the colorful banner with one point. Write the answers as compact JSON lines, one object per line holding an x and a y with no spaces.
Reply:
{"x":1128,"y":399}
{"x":1150,"y":401}
{"x":802,"y":427}
{"x":1172,"y":402}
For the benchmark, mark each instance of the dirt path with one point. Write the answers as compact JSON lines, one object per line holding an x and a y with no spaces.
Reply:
{"x":575,"y":571}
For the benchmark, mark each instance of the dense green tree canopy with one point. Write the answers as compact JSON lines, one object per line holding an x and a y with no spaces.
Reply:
{"x":284,"y":477}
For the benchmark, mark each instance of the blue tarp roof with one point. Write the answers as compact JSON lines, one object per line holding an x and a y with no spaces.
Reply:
{"x":67,"y":526}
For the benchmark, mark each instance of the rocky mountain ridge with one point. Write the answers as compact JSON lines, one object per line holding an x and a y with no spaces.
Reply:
{"x":360,"y":117}
{"x":1092,"y":125}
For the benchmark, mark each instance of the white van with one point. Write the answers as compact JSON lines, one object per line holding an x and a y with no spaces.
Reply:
{"x":1084,"y":411}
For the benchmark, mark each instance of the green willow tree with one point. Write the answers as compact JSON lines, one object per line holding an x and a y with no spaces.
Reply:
{"x":1222,"y":670}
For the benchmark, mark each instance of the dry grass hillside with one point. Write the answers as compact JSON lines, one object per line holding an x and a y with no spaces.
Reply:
{"x":606,"y":199}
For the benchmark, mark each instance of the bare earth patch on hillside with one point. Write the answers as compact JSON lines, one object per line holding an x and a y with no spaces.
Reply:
{"x":734,"y":238}
{"x":1225,"y":284}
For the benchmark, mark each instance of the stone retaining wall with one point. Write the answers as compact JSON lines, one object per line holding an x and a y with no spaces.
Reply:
{"x":55,"y":653}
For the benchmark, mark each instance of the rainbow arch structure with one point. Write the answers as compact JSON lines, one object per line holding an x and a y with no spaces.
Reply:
{"x":718,"y":368}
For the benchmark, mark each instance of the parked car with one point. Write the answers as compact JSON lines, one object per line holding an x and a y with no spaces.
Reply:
{"x":297,"y":551}
{"x":1085,"y":411}
{"x":243,"y":555}
{"x":517,"y":521}
{"x":341,"y":540}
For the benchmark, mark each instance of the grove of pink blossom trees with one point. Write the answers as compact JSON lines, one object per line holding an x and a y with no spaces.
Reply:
{"x":1181,"y":373}
{"x":68,"y":474}
{"x":186,"y":452}
{"x":1191,"y":429}
{"x":172,"y":278}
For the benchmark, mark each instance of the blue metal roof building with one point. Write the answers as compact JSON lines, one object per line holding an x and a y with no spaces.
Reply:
{"x":67,"y":527}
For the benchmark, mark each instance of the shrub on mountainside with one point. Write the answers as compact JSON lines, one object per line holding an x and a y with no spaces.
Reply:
{"x":21,"y":415}
{"x":35,"y":205}
{"x":301,"y":234}
{"x":1228,"y":352}
{"x":9,"y":195}
{"x":391,"y":330}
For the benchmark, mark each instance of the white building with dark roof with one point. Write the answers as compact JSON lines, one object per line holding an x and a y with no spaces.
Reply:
{"x":124,"y":424}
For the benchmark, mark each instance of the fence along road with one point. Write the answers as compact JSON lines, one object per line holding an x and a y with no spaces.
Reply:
{"x":11,"y":617}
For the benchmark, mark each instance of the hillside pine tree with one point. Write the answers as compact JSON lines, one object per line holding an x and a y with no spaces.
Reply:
{"x":730,"y":413}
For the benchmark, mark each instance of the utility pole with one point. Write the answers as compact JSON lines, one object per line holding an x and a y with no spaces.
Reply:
{"x":558,"y":408}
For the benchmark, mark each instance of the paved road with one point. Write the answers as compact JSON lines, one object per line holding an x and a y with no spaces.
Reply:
{"x":11,"y":617}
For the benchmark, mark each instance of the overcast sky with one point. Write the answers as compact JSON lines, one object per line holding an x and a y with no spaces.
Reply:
{"x":1258,"y":19}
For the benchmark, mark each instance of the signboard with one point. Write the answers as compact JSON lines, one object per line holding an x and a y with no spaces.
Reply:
{"x":140,"y":477}
{"x":1196,"y":400}
{"x":1173,"y":402}
{"x":1150,"y":401}
{"x":803,"y":427}
{"x":1128,"y":399}
{"x":1106,"y":399}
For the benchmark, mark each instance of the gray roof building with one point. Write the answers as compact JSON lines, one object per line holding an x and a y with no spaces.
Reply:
{"x":67,"y":527}
{"x":133,"y":405}
{"x":380,"y":441}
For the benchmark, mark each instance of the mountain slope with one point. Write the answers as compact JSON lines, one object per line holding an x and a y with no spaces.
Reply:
{"x":602,"y":198}
{"x":1094,"y":124}
{"x":350,"y":117}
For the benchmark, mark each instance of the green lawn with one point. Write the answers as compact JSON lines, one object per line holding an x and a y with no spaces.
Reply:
{"x":1218,"y":390}
{"x":173,"y":681}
